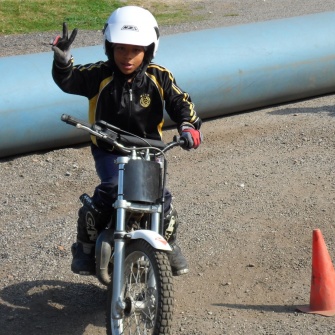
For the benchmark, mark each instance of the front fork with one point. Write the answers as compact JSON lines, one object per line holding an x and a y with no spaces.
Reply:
{"x":118,"y":304}
{"x":120,"y":240}
{"x":118,"y":273}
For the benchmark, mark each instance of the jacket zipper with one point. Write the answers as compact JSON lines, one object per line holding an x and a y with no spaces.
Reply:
{"x":130,"y":105}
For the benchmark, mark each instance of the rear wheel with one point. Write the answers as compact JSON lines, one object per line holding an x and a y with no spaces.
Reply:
{"x":147,"y":293}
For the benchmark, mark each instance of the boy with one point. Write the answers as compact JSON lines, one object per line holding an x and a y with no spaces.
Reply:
{"x":131,"y":93}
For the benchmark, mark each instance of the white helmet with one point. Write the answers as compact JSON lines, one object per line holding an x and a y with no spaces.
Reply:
{"x":132,"y":25}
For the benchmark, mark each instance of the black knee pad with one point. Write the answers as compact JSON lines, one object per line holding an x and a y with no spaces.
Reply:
{"x":91,"y":220}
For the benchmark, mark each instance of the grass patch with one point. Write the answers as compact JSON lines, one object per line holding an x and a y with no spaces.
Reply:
{"x":28,"y":16}
{"x":230,"y":14}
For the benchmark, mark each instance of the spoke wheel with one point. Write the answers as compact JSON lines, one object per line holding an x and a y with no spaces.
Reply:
{"x":147,"y":293}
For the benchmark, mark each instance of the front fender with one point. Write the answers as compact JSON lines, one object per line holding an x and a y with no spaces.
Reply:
{"x":154,"y":239}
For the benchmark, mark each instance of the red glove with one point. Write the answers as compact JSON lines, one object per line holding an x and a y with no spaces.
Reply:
{"x":192,"y":136}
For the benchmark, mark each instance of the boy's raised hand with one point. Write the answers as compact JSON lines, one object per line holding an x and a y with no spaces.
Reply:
{"x":62,"y":46}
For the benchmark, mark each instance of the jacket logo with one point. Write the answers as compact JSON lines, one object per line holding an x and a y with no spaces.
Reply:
{"x":145,"y":100}
{"x":128,"y":27}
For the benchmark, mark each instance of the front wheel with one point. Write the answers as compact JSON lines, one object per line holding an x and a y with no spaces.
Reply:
{"x":147,"y":293}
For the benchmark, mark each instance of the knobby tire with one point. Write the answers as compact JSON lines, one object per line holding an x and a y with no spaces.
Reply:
{"x":148,"y":291}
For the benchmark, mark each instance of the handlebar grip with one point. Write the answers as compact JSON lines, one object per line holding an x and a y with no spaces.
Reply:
{"x":73,"y":121}
{"x":182,"y":141}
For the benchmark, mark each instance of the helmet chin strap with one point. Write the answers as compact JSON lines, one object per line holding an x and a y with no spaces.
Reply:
{"x":149,"y":53}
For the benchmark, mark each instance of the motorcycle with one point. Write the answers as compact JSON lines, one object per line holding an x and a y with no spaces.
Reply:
{"x":131,"y":253}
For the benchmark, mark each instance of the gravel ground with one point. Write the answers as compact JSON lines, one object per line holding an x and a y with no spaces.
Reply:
{"x":260,"y":184}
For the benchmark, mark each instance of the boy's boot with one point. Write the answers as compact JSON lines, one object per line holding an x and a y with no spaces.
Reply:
{"x":177,"y":260}
{"x":91,"y":220}
{"x":83,"y":262}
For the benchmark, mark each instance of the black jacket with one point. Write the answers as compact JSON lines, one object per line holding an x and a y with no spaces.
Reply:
{"x":136,"y":107}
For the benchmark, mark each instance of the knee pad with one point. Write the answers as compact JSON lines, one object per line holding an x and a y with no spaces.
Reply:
{"x":91,"y":219}
{"x":104,"y":195}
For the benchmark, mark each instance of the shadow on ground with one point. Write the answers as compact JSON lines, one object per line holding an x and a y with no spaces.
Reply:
{"x":51,"y":307}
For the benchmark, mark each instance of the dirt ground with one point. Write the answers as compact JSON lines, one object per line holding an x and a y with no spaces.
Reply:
{"x":248,"y":200}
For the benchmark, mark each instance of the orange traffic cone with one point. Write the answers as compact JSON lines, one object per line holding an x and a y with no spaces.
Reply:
{"x":322,"y":294}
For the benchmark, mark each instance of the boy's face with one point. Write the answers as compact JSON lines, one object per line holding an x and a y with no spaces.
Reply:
{"x":128,"y":57}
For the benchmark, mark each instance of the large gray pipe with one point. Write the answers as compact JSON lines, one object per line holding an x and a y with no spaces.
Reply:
{"x":225,"y":70}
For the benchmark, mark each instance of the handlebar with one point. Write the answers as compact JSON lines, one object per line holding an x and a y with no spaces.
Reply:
{"x":117,"y":137}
